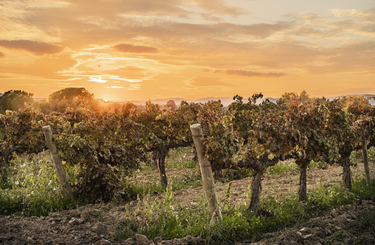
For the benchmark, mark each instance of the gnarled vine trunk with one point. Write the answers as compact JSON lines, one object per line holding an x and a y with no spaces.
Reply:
{"x":346,"y":176}
{"x":160,"y":161}
{"x":256,"y":189}
{"x":195,"y":157}
{"x":4,"y":174}
{"x":302,"y":179}
{"x":365,"y":161}
{"x":5,"y":160}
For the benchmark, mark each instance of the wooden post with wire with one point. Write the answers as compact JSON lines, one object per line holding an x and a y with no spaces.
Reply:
{"x":206,"y":171}
{"x":66,"y":190}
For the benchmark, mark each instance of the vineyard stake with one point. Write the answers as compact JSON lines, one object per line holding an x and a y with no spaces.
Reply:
{"x":67,"y":192}
{"x":365,"y":160}
{"x":207,"y":177}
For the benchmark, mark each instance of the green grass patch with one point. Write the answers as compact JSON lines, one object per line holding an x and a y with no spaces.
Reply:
{"x":33,"y":189}
{"x":357,"y":156}
{"x":151,"y":186}
{"x":181,"y":158}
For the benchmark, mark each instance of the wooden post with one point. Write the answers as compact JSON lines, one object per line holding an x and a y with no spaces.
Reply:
{"x":365,"y":160}
{"x":207,"y":177}
{"x":66,"y":190}
{"x":40,"y":157}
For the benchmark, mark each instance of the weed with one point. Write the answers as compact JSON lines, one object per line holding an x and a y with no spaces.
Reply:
{"x":33,"y":188}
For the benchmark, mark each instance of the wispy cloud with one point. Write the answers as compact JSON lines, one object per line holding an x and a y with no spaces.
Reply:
{"x":97,"y":79}
{"x":134,"y":87}
{"x":36,"y":48}
{"x":128,"y":48}
{"x":2,"y":55}
{"x":114,"y":87}
{"x":247,"y":73}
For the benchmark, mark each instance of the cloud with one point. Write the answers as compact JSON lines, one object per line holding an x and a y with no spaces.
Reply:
{"x":2,"y":55}
{"x":36,"y":48}
{"x":134,"y":86}
{"x":246,"y":73}
{"x":210,"y":17}
{"x":128,"y":48}
{"x":114,"y":87}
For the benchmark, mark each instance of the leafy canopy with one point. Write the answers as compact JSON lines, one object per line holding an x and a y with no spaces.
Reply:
{"x":14,"y":100}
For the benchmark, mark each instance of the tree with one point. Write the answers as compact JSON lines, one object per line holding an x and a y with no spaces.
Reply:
{"x":14,"y":100}
{"x":171,"y":104}
{"x":73,"y":98}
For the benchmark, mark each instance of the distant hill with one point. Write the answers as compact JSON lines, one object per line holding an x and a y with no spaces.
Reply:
{"x":372,"y":101}
{"x":1,"y":94}
{"x":228,"y":100}
{"x":224,"y":100}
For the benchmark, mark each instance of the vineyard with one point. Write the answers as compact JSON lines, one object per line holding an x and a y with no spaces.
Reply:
{"x":130,"y":157}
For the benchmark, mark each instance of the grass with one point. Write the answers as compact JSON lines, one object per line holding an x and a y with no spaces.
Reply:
{"x":33,"y":189}
{"x":151,"y":186}
{"x":181,"y":158}
{"x":357,"y":156}
{"x":174,"y":221}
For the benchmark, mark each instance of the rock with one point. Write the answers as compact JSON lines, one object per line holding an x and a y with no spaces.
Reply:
{"x":74,"y":213}
{"x":30,"y":240}
{"x":158,"y":240}
{"x":89,"y":214}
{"x":334,"y":213}
{"x":75,"y":221}
{"x":102,"y":242}
{"x":129,"y":241}
{"x":142,"y":240}
{"x":178,"y":242}
{"x":100,"y":229}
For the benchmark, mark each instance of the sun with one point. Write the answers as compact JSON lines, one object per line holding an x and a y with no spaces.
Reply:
{"x":105,"y":100}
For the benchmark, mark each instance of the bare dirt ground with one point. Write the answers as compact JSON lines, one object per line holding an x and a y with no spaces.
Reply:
{"x":94,"y":224}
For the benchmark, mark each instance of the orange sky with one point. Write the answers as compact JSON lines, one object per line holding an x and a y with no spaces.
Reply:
{"x":146,"y":49}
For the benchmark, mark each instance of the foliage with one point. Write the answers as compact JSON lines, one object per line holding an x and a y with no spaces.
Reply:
{"x":73,"y":98}
{"x":219,"y":139}
{"x":100,"y":144}
{"x":14,"y":100}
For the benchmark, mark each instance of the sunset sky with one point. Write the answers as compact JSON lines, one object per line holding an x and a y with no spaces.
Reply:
{"x":156,"y":49}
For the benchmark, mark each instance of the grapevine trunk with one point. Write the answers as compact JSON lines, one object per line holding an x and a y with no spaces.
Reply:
{"x":302,"y":180}
{"x":365,"y":160}
{"x":346,"y":176}
{"x":160,"y":159}
{"x":256,"y":189}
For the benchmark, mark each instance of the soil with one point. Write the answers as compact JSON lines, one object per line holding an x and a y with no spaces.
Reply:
{"x":94,"y":224}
